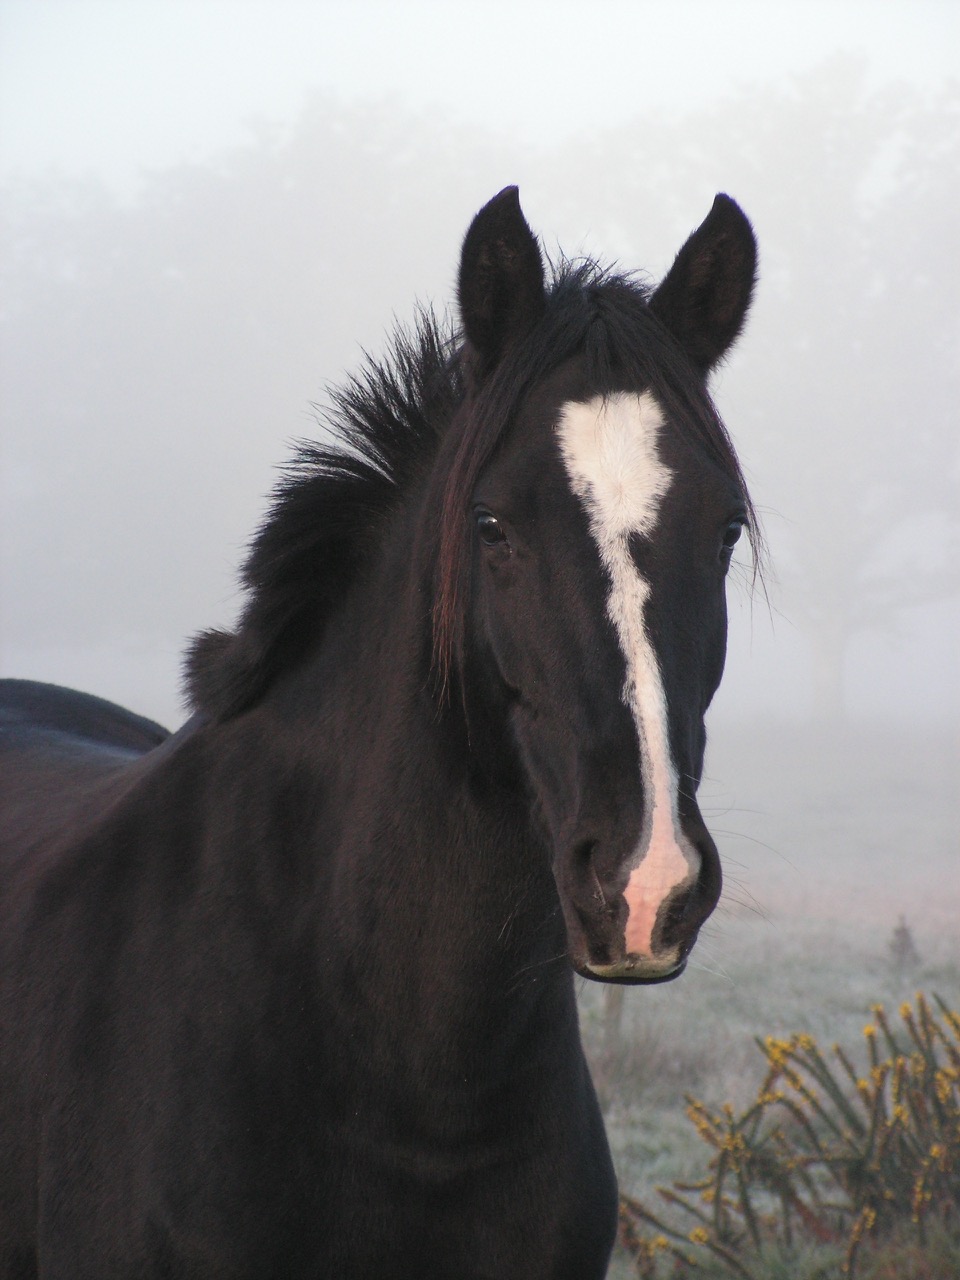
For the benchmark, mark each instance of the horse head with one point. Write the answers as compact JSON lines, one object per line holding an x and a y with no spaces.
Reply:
{"x":588,"y":520}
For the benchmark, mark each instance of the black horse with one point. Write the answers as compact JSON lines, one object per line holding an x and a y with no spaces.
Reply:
{"x":290,"y":993}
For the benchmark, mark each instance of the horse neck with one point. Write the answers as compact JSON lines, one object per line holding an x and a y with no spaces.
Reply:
{"x":433,"y":903}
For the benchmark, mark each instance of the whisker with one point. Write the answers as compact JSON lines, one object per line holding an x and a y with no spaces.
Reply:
{"x":717,"y":973}
{"x":754,"y":840}
{"x":725,"y":811}
{"x":509,"y":921}
{"x":748,"y":902}
{"x":537,"y":964}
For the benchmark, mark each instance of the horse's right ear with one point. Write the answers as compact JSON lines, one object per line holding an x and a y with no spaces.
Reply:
{"x":500,"y":287}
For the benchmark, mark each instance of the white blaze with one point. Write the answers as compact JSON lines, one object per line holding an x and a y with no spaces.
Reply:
{"x":609,"y":447}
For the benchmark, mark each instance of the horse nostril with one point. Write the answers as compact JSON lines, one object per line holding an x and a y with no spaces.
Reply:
{"x":585,"y":871}
{"x":687,"y":910}
{"x":583,"y":852}
{"x":675,"y":917}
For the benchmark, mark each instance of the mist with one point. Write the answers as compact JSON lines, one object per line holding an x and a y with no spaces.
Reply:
{"x":169,"y":329}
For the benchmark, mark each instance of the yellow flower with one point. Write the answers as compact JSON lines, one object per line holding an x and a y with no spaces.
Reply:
{"x":943,"y":1085}
{"x":918,"y":1197}
{"x":776,"y":1050}
{"x":899,"y":1067}
{"x":869,"y":1030}
{"x":699,"y":1235}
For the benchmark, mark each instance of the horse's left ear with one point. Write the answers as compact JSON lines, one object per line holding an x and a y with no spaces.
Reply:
{"x":500,"y":287}
{"x":704,"y":297}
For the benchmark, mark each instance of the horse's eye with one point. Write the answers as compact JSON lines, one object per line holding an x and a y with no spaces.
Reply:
{"x":488,"y":526}
{"x":731,"y":535}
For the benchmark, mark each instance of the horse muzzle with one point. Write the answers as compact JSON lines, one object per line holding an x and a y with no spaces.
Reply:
{"x":644,"y":930}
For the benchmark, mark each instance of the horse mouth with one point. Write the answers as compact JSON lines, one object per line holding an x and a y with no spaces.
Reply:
{"x":635,"y":970}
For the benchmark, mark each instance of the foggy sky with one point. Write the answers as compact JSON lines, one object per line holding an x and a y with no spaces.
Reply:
{"x":209,"y":215}
{"x":114,"y":88}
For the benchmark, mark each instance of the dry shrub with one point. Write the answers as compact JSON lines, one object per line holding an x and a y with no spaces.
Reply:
{"x":825,"y":1154}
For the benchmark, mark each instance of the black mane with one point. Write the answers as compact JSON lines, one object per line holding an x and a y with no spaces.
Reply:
{"x":387,"y":423}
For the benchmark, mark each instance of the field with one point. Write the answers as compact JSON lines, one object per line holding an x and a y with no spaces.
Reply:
{"x":828,"y":840}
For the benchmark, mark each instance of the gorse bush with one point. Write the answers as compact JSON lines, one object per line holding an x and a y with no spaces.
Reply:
{"x":825,"y":1155}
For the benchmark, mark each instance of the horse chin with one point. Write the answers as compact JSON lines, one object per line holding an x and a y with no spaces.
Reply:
{"x":634,"y":970}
